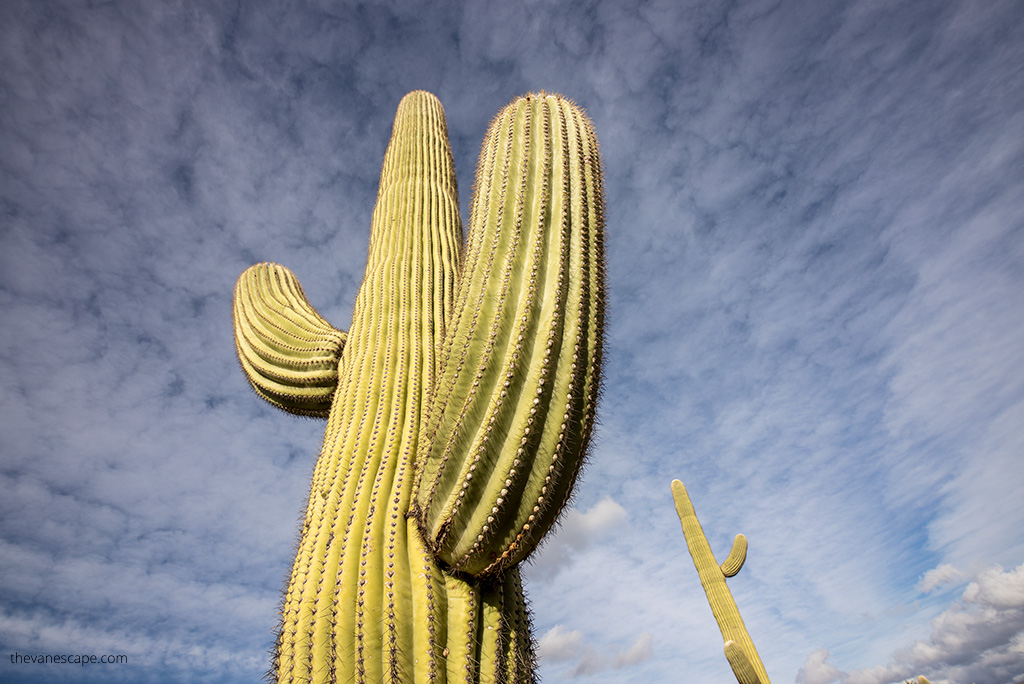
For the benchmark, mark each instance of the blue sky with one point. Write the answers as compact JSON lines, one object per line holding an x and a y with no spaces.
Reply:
{"x":815,"y":237}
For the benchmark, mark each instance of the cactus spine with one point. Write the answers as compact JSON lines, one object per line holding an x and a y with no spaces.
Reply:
{"x":739,"y":648}
{"x":459,"y":404}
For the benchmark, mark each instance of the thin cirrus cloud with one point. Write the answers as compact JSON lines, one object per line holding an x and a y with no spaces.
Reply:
{"x":814,"y":258}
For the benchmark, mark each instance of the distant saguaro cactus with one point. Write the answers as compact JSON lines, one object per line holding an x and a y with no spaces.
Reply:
{"x":459,"y":404}
{"x":739,"y":648}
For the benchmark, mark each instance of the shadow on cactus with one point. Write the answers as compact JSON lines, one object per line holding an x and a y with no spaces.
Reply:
{"x":459,"y":404}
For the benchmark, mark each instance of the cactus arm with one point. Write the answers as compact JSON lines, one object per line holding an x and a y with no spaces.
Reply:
{"x":741,"y":665}
{"x":514,"y":407}
{"x":288,"y":351}
{"x":712,"y":579}
{"x":737,"y":556}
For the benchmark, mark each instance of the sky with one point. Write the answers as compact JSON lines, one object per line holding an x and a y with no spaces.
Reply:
{"x":815,"y":230}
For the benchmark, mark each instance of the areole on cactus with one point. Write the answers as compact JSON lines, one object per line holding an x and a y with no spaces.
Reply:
{"x":459,"y":404}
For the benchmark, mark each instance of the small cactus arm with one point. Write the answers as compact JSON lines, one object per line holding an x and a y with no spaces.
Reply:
{"x":459,"y":404}
{"x":289,"y":353}
{"x":739,"y":648}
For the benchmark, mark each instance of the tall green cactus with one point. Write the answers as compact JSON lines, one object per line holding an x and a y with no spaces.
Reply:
{"x":459,"y":405}
{"x":739,"y":648}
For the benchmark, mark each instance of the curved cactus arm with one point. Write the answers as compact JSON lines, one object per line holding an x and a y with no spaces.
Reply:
{"x":712,"y":578}
{"x":288,"y":351}
{"x":737,"y":556}
{"x":513,"y":408}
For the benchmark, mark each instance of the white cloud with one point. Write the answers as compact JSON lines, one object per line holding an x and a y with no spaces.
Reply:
{"x":937,"y":577}
{"x":817,"y":669}
{"x":640,"y":651}
{"x":578,"y":531}
{"x":560,"y":645}
{"x":998,"y":589}
{"x":979,"y":638}
{"x":583,"y":528}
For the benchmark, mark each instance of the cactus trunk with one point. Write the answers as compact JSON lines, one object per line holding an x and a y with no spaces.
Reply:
{"x":437,"y":475}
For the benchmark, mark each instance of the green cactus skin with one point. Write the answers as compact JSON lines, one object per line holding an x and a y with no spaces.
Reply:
{"x":459,"y":405}
{"x":739,"y":648}
{"x":513,"y":409}
{"x":741,"y":665}
{"x":289,"y":353}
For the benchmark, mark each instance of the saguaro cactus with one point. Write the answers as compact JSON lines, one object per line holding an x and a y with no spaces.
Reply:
{"x":459,"y":405}
{"x":739,"y":648}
